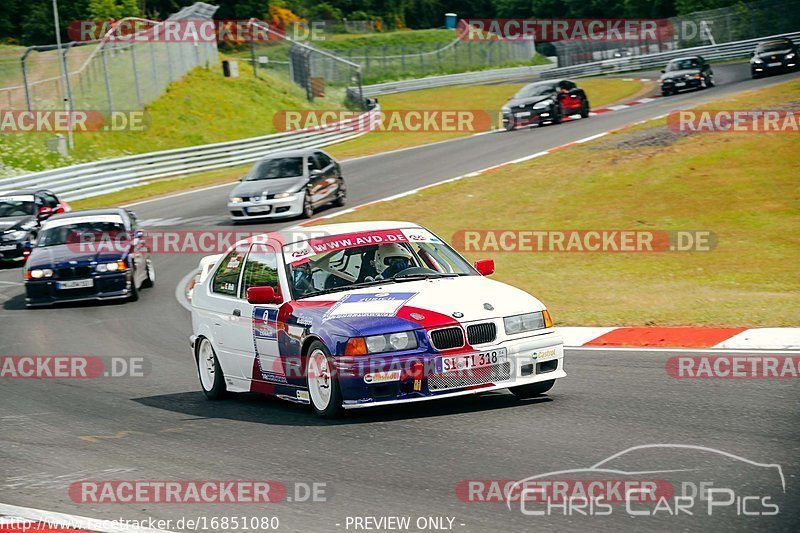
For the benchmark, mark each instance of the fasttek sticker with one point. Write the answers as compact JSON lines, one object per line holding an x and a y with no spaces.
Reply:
{"x":378,"y":304}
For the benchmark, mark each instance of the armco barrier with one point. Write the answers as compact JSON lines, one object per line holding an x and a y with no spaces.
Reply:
{"x":110,"y":175}
{"x":720,"y":52}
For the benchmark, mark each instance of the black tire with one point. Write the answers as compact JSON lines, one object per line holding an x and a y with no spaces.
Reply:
{"x":511,"y":124}
{"x":217,"y":391}
{"x":665,"y":93}
{"x":710,"y":80}
{"x":341,"y":194}
{"x":134,"y":294}
{"x":585,"y":109}
{"x":308,"y":209}
{"x":150,"y":278}
{"x":533,"y":390}
{"x":556,"y":114}
{"x":333,"y":409}
{"x":755,"y":76}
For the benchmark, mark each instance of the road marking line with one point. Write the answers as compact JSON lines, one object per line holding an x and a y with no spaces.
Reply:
{"x":51,"y":517}
{"x":682,"y":350}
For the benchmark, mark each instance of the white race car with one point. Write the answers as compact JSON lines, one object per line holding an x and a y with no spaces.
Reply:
{"x":347,"y":316}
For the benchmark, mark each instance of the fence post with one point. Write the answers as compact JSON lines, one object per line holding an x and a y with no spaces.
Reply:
{"x":136,"y":76}
{"x":106,"y":78}
{"x":366,"y":61}
{"x":169,"y":62}
{"x":253,"y":54}
{"x":153,"y":63}
{"x":25,"y":79}
{"x":421,"y":60}
{"x":403,"y":57}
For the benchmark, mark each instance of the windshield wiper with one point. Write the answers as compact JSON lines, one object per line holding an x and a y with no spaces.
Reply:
{"x":416,"y":277}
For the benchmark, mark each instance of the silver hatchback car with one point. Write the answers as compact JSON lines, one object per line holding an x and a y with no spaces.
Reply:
{"x":288,"y":184}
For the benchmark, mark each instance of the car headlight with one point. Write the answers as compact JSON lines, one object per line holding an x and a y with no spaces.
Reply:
{"x":39,"y":273}
{"x":236,"y":200}
{"x":280,"y":195}
{"x":116,"y":266}
{"x":527,"y":322}
{"x":16,"y":235}
{"x":790,"y":56}
{"x":542,"y":104}
{"x":756,"y":60}
{"x":390,"y":342}
{"x":505,"y":109}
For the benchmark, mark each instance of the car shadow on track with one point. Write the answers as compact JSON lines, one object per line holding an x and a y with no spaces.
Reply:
{"x":267,"y":410}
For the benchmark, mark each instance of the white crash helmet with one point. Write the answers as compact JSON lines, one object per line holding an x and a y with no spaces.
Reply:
{"x":389,"y":251}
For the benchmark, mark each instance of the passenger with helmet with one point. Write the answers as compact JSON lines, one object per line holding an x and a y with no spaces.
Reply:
{"x":391,"y":259}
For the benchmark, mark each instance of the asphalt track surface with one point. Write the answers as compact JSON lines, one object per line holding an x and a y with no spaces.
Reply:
{"x":403,"y":461}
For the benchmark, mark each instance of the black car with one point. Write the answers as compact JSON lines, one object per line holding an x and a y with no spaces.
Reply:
{"x":686,"y":73}
{"x":545,"y":101}
{"x":288,"y":184}
{"x":21,"y":214}
{"x":777,"y":55}
{"x":97,"y":254}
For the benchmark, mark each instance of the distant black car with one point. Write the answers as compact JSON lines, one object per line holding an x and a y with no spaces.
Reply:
{"x":21,"y":214}
{"x":777,"y":55}
{"x":686,"y":73}
{"x":545,"y":101}
{"x":98,"y":254}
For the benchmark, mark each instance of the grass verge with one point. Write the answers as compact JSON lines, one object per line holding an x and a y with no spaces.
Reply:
{"x":644,"y":178}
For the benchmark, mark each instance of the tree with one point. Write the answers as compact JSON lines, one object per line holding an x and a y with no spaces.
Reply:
{"x":113,"y":9}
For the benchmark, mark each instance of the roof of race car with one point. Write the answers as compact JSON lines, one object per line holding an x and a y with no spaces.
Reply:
{"x":298,"y":234}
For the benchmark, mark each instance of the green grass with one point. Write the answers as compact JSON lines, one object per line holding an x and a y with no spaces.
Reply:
{"x":345,"y":42}
{"x":203,"y":107}
{"x":644,"y":178}
{"x":601,"y":92}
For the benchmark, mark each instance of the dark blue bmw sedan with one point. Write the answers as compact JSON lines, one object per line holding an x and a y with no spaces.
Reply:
{"x":98,"y":254}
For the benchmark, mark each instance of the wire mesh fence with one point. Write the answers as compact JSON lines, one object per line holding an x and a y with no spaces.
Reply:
{"x":108,"y":74}
{"x":745,"y":20}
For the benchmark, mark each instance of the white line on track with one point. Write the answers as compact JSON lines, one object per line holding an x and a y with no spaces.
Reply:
{"x":679,"y":350}
{"x":50,"y":518}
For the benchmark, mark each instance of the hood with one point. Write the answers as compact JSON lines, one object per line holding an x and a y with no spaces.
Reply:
{"x":272,"y":186}
{"x":63,"y":254}
{"x":680,"y":73}
{"x":13,"y":223}
{"x":417,"y":304}
{"x":515,"y":102}
{"x":778,"y":54}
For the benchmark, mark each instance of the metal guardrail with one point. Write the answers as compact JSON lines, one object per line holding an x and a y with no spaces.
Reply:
{"x":110,"y":175}
{"x":719,"y":52}
{"x":453,"y":79}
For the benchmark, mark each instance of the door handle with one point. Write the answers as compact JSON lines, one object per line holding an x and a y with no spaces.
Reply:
{"x":237,"y":312}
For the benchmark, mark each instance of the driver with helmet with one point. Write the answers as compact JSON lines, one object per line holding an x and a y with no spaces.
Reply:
{"x":391,"y":259}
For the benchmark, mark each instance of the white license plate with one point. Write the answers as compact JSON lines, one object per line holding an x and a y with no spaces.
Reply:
{"x":259,"y":209}
{"x":75,"y":284}
{"x":523,"y":114}
{"x":680,"y":84}
{"x":774,"y":64}
{"x":461,"y":363}
{"x":7,"y":247}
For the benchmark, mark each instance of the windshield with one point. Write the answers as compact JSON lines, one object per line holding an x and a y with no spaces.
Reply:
{"x":683,"y":64}
{"x":536,"y":90}
{"x":776,"y":46}
{"x":16,"y":206}
{"x":81,"y":232}
{"x":340,"y":263}
{"x":285,"y":167}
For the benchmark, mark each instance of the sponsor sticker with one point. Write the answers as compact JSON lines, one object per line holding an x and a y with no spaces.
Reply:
{"x":382,"y":377}
{"x":383,"y":304}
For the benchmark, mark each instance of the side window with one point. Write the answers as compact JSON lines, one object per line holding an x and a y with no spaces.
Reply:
{"x":49,"y":199}
{"x":324,"y":160}
{"x":226,"y":278}
{"x":261,"y":269}
{"x":312,"y":163}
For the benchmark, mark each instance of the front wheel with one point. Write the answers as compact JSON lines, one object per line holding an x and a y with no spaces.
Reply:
{"x":585,"y":110}
{"x":323,"y":384}
{"x":211,"y":378}
{"x":510,"y":125}
{"x":532,"y":390}
{"x":341,"y":194}
{"x":710,"y":80}
{"x":556,"y":115}
{"x":308,"y":208}
{"x":150,"y":275}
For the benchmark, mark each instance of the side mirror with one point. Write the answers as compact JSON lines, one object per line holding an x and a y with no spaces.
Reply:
{"x":44,"y":213}
{"x":138,"y":234}
{"x":752,"y":54}
{"x":485,"y":267}
{"x":263,"y":295}
{"x":315,"y":172}
{"x":663,"y":72}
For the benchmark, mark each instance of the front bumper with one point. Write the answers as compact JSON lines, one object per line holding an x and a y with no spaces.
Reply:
{"x":681,"y":85}
{"x":263,"y":209}
{"x":13,"y":251}
{"x":529,"y":360}
{"x":775,"y":66}
{"x":527,"y":117}
{"x":42,"y":292}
